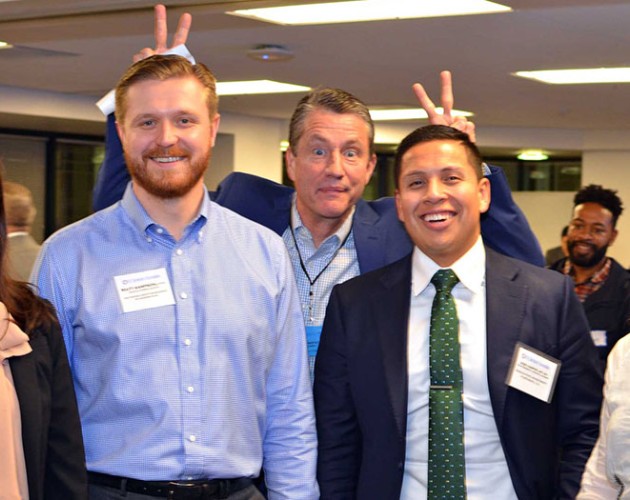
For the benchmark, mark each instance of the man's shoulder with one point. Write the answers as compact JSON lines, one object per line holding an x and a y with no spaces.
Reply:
{"x":498,"y":264}
{"x":240,"y":183}
{"x":618,"y":269}
{"x":384,"y":207}
{"x":239,"y":226}
{"x":94,"y":224}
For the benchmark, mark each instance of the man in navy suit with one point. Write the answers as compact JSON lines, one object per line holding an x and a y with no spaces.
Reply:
{"x":528,"y":431}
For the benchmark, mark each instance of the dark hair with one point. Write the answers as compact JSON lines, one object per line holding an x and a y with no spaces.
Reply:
{"x":437,"y":133}
{"x":161,"y":68}
{"x":328,"y":99}
{"x":29,"y":311}
{"x":607,"y":198}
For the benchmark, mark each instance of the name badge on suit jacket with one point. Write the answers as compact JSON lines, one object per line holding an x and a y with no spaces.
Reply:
{"x":533,"y":372}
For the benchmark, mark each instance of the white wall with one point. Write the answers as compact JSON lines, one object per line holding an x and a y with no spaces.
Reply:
{"x":256,"y":144}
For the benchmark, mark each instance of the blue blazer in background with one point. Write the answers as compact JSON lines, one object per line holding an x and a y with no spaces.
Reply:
{"x":380,"y":238}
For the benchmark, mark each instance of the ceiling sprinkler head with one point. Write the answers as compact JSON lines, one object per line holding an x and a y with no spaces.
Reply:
{"x":270,"y":53}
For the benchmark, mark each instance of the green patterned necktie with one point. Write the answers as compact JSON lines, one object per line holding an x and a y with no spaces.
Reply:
{"x":447,"y":471}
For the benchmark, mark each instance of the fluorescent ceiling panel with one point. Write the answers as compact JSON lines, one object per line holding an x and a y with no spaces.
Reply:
{"x":379,"y":115}
{"x":369,"y":10}
{"x":532,"y":155}
{"x":578,"y":76}
{"x":258,"y":87}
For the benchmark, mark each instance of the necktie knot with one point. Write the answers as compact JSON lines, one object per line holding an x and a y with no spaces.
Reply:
{"x":444,"y":280}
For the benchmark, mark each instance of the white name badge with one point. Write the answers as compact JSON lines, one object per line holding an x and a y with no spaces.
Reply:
{"x":144,"y":290}
{"x":533,"y":372}
{"x":600,"y":339}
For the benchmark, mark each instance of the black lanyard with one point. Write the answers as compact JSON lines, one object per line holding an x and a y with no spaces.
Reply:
{"x":312,"y":281}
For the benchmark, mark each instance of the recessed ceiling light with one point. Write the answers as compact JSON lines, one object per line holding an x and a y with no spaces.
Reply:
{"x":258,"y":87}
{"x":577,"y":76}
{"x":409,"y":114}
{"x":369,"y":10}
{"x":532,"y":155}
{"x":5,"y":45}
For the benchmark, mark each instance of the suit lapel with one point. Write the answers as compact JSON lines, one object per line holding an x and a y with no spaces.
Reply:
{"x":367,"y":238}
{"x":392,"y":330}
{"x":506,"y":301}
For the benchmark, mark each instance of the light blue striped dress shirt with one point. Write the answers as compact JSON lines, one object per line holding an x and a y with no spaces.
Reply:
{"x":213,"y":386}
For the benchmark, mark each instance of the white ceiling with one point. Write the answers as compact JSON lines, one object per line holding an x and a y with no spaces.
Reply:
{"x":82,"y":46}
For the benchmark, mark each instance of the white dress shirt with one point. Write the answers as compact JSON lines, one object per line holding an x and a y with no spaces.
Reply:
{"x":487,"y":474}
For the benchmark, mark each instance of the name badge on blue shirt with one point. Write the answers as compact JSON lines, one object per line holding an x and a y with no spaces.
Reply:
{"x":313,"y":333}
{"x":144,"y":290}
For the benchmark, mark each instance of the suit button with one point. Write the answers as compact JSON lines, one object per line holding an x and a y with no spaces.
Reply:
{"x":400,"y":465}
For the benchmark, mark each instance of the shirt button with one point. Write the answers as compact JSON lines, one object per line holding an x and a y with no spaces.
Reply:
{"x":149,"y":239}
{"x":183,"y":295}
{"x":190,"y":388}
{"x":187,"y":342}
{"x":159,"y":230}
{"x":192,"y":438}
{"x":179,"y":251}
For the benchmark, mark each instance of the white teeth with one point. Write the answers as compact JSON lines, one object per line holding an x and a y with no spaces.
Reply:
{"x":437,"y":217}
{"x":168,"y":159}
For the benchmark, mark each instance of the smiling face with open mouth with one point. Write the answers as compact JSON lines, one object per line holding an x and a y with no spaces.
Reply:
{"x":440,"y":199}
{"x":591,"y":232}
{"x":167,"y":135}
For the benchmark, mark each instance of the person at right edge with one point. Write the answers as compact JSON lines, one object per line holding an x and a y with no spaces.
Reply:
{"x":488,"y":389}
{"x":601,"y":283}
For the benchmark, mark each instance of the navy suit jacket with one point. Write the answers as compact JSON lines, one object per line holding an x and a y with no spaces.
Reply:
{"x":51,"y":431}
{"x":361,"y":382}
{"x":379,"y":237}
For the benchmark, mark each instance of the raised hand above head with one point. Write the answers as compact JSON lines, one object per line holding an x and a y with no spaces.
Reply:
{"x":446,"y":117}
{"x":161,"y":33}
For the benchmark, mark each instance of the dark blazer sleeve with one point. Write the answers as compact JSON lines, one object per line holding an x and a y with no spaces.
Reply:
{"x":546,"y":444}
{"x":52,"y":439}
{"x":113,"y":176}
{"x":504,"y":227}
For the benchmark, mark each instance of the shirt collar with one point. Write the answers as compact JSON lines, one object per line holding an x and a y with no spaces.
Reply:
{"x":300,"y":230}
{"x":470,"y":269}
{"x":599,"y":277}
{"x":141,"y":219}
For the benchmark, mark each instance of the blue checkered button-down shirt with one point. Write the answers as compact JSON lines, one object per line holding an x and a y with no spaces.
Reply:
{"x":205,"y":388}
{"x":343,"y":260}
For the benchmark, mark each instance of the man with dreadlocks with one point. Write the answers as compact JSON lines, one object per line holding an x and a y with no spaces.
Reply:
{"x":601,"y":283}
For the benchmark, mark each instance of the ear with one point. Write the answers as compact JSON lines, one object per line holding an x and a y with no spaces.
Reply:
{"x":399,"y":211}
{"x":121,"y":131}
{"x":484,"y":195}
{"x":290,"y":160}
{"x":370,"y":168}
{"x":214,"y":128}
{"x":613,"y":237}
